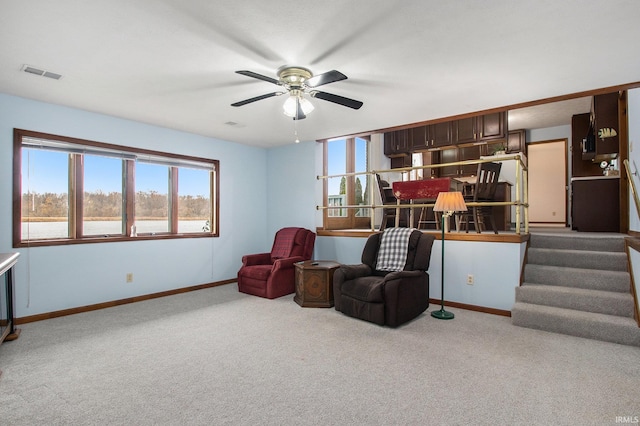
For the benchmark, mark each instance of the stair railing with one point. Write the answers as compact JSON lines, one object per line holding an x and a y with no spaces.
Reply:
{"x":634,"y":191}
{"x":631,"y":243}
{"x":521,"y":202}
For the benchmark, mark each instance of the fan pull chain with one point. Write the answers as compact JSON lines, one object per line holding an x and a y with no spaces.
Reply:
{"x":295,"y":131}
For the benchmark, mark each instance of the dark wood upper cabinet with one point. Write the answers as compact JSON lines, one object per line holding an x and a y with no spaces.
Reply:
{"x":465,"y":130}
{"x":430,"y":136}
{"x":605,"y":125}
{"x":420,"y":138}
{"x":480,"y":128}
{"x":396,"y":143}
{"x":462,"y":139}
{"x":441,"y":134}
{"x":493,"y":126}
{"x":517,"y":141}
{"x":581,"y":165}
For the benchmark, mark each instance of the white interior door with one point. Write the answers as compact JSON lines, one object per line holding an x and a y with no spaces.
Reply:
{"x":547,"y":162}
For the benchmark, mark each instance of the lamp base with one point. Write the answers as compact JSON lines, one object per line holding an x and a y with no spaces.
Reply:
{"x":442,"y":314}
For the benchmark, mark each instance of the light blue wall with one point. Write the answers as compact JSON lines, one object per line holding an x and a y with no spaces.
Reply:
{"x":283,"y":179}
{"x":60,"y":277}
{"x":294,"y":192}
{"x":291,"y":183}
{"x":633,"y":113}
{"x":549,"y":133}
{"x":495,"y":268}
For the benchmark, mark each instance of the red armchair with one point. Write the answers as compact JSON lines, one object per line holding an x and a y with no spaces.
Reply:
{"x":272,"y":274}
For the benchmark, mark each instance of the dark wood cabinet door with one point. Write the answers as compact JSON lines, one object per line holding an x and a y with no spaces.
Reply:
{"x":493,"y":126}
{"x":396,"y":143}
{"x":449,"y":156}
{"x":470,"y":152}
{"x":579,"y":130}
{"x":516,"y":141}
{"x":389,"y":143}
{"x":400,"y":161}
{"x":430,"y":157}
{"x":465,"y":130}
{"x":595,"y":205}
{"x":440,"y":134}
{"x":419,"y":138}
{"x":402,"y":141}
{"x":605,"y":108}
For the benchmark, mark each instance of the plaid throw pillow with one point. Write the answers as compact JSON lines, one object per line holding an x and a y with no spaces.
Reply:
{"x":394,"y":246}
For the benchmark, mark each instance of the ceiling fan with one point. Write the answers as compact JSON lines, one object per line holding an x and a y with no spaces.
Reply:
{"x":298,"y":81}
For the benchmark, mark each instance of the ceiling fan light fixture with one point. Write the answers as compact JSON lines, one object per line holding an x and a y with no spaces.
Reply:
{"x":297,"y":81}
{"x":290,"y":107}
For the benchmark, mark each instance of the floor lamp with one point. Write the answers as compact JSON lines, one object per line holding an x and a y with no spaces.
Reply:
{"x":447,"y":203}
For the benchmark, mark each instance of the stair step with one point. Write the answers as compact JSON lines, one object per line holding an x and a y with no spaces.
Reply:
{"x":578,"y":259}
{"x":608,"y":328}
{"x":604,"y":302}
{"x":618,"y":281}
{"x":605,"y":242}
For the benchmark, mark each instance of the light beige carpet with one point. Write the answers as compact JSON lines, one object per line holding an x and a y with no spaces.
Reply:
{"x":216,"y":357}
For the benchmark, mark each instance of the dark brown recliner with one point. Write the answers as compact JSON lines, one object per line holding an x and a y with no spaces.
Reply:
{"x":381,"y":297}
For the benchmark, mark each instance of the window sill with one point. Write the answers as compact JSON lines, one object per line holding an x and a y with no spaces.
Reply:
{"x":108,"y":239}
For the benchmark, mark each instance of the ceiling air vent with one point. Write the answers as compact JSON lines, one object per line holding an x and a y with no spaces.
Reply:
{"x":42,"y":73}
{"x":234,"y":124}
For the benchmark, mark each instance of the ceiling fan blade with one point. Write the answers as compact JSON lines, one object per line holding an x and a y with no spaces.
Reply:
{"x":257,"y":98}
{"x":299,"y":113}
{"x":258,"y":76}
{"x":326,"y":78}
{"x":351,"y":103}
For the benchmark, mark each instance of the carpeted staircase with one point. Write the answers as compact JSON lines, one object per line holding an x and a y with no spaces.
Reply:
{"x":577,"y":284}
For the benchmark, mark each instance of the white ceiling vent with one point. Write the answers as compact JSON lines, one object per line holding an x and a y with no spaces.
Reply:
{"x":234,"y":124}
{"x":42,"y":73}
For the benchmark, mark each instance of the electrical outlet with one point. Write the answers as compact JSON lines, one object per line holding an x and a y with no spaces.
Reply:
{"x":129,"y":277}
{"x":470,"y":279}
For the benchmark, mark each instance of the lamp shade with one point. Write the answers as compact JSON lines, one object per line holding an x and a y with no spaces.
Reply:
{"x":450,"y":202}
{"x":290,"y":105}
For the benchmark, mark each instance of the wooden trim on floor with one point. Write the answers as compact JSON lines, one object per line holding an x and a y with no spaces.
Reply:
{"x":453,"y":236}
{"x":475,"y":308}
{"x":104,"y":305}
{"x":88,"y":308}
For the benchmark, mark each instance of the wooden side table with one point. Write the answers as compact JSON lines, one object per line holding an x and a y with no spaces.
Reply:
{"x":314,"y":283}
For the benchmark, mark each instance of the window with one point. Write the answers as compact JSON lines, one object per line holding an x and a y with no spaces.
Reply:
{"x":350,"y":157}
{"x":45,"y":195}
{"x":152,"y":198}
{"x":70,"y":191}
{"x":194,"y":205}
{"x":102,"y":199}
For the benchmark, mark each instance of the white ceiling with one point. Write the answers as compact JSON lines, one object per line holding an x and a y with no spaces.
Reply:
{"x":171,"y":62}
{"x":548,"y":115}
